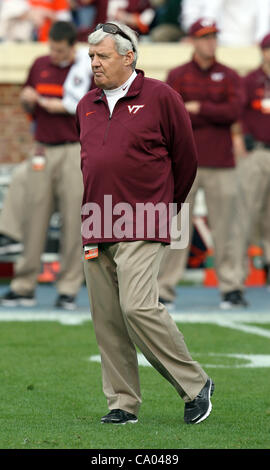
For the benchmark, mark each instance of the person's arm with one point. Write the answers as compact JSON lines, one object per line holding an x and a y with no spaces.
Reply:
{"x":230,"y":109}
{"x":181,"y":145}
{"x":29,"y":98}
{"x":175,"y":83}
{"x":78,"y":81}
{"x":140,"y":20}
{"x":238,"y":141}
{"x":253,"y":101}
{"x":52,"y":105}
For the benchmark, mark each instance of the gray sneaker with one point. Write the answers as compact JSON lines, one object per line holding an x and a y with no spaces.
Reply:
{"x":200,"y":408}
{"x":12,"y":299}
{"x":66,"y":301}
{"x":233,"y":299}
{"x":9,"y":246}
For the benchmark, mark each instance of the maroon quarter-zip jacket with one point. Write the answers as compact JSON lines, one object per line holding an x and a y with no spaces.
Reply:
{"x":144,"y":153}
{"x":220,"y":92}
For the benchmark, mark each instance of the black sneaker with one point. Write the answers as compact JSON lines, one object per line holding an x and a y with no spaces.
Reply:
{"x":118,"y":416}
{"x":9,"y":246}
{"x":200,"y":408}
{"x":66,"y":301}
{"x":11,"y":299}
{"x":232,"y":299}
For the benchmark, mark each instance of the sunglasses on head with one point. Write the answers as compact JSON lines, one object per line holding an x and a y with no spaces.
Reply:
{"x":114,"y":29}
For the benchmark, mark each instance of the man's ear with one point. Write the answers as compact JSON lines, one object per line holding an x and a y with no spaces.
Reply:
{"x":129,"y":58}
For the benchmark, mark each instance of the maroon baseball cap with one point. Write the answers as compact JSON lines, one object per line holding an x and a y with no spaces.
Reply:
{"x":202,"y":27}
{"x":265,"y":42}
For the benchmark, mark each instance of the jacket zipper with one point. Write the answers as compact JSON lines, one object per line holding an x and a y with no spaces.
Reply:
{"x":107,"y":129}
{"x":110,"y":117}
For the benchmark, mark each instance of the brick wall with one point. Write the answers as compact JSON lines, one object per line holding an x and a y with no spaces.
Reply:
{"x":16,"y":139}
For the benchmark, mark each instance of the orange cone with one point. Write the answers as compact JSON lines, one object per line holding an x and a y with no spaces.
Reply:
{"x":210,"y":277}
{"x":256,"y":276}
{"x":49,"y":273}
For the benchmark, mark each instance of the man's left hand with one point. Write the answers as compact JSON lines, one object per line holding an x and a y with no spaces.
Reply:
{"x":52,"y":105}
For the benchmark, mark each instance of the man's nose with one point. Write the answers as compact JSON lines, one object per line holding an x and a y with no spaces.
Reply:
{"x":95,"y":61}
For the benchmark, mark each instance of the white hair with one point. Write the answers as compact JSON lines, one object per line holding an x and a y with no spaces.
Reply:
{"x":122,"y":45}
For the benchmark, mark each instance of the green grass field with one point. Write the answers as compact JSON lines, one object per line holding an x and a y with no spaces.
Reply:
{"x":51,"y":396}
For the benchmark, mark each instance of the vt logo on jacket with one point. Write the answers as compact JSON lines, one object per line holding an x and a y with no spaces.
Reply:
{"x":135,"y":108}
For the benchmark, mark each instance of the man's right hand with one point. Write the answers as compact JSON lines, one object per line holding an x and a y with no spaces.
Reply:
{"x":29,"y":97}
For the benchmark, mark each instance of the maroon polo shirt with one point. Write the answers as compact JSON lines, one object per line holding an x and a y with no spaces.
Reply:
{"x":255,"y":121}
{"x":144,"y":153}
{"x":220,"y":93}
{"x":48,"y":80}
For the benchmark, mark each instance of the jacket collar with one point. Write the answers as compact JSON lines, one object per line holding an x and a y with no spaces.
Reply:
{"x":134,"y":89}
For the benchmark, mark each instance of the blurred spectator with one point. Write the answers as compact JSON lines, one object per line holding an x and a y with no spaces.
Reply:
{"x":213,"y":96}
{"x":166,"y":27}
{"x":55,"y":84}
{"x":49,"y":11}
{"x":83,"y":12}
{"x":254,"y":172}
{"x":138,"y":14}
{"x":241,"y":22}
{"x":16,"y":20}
{"x":265,"y":234}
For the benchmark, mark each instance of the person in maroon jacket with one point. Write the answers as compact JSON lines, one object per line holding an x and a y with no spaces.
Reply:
{"x":137,"y":155}
{"x":52,"y":174}
{"x":255,"y":168}
{"x":214,"y":98}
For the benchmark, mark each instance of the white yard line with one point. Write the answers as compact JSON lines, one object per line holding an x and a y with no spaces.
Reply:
{"x":252,"y":360}
{"x":255,"y":330}
{"x":236,"y":321}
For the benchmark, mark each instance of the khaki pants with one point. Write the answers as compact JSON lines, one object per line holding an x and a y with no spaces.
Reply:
{"x":253,"y":204}
{"x":61,"y":179}
{"x":220,"y":189}
{"x":12,"y":213}
{"x":123,"y":293}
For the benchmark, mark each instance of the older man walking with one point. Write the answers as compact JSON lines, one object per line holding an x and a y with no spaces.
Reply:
{"x":136,"y":148}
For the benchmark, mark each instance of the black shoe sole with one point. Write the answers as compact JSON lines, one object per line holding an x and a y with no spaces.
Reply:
{"x":131,"y":421}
